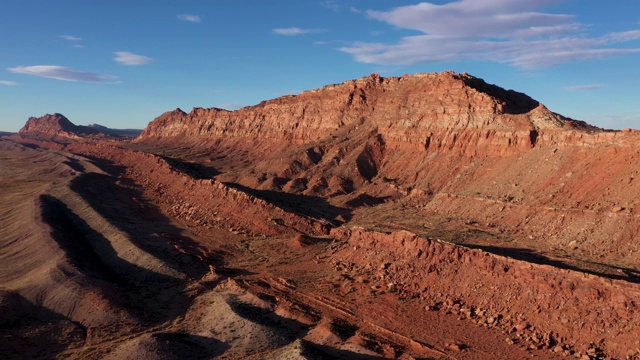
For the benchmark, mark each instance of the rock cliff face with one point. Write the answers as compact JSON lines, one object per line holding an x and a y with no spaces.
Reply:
{"x":426,"y":109}
{"x":448,"y":144}
{"x":418,"y":131}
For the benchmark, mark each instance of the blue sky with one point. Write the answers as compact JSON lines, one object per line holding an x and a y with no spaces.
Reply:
{"x":122,"y":63}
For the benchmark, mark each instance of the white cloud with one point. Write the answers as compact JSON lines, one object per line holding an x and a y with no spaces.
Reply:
{"x":70,"y":37}
{"x":127,"y":58}
{"x":78,"y":46}
{"x":296,"y":31}
{"x":8,"y":83}
{"x":584,"y":87}
{"x":472,"y":18}
{"x":503,"y":31}
{"x":62,"y":73}
{"x":190,"y":18}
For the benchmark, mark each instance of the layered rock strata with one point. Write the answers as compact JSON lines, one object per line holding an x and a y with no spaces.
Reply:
{"x":432,"y":110}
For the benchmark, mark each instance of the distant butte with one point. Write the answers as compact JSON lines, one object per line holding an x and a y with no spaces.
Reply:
{"x":58,"y":127}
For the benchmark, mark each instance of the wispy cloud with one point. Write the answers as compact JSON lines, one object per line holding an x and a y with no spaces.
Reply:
{"x":62,"y":73}
{"x":127,"y":58}
{"x":331,"y":42}
{"x":584,"y":87}
{"x":8,"y":83}
{"x":78,"y":46}
{"x":190,"y":18}
{"x":70,"y":37}
{"x":502,"y":31}
{"x":338,"y":6}
{"x":331,"y":5}
{"x":292,"y":31}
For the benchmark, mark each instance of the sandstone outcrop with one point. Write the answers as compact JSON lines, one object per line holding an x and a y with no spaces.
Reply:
{"x":50,"y":126}
{"x":58,"y":127}
{"x":476,"y":152}
{"x":431,"y":110}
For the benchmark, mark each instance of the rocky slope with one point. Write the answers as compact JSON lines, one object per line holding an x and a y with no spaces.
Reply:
{"x":58,"y":127}
{"x":551,"y":308}
{"x":206,"y":203}
{"x":449,"y":144}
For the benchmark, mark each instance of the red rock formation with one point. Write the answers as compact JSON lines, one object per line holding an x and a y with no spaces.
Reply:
{"x":58,"y":127}
{"x":432,"y":110}
{"x":49,"y":126}
{"x":484,"y":154}
{"x":207,"y":203}
{"x":309,"y":143}
{"x":539,"y":304}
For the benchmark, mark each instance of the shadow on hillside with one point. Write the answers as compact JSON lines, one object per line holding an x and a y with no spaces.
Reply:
{"x":81,"y":244}
{"x":35,"y":332}
{"x":187,"y":346}
{"x":74,"y":164}
{"x":29,"y":145}
{"x":326,"y":352}
{"x":28,"y":330}
{"x":285,"y":328}
{"x":366,"y":200}
{"x":194,"y":170}
{"x":290,"y":330}
{"x":531,"y":256}
{"x":124,"y":207}
{"x":124,"y":284}
{"x":15,"y":310}
{"x":517,"y":103}
{"x":311,"y":206}
{"x":120,"y":202}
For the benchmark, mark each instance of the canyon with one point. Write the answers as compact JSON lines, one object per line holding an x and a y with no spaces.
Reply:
{"x":425,"y":216}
